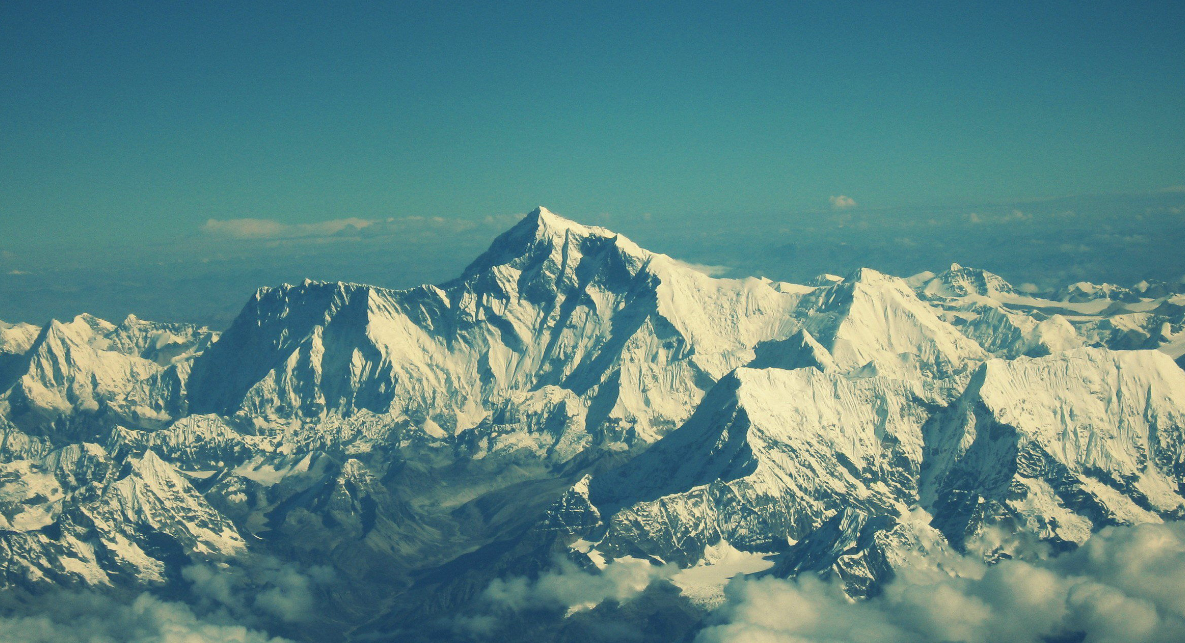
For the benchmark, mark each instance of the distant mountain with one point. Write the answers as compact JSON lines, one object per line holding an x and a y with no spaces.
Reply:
{"x":575,"y":402}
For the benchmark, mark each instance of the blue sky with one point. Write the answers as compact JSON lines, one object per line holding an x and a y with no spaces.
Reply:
{"x":125,"y":128}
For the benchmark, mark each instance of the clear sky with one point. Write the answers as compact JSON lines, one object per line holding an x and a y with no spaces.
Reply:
{"x":138,"y":123}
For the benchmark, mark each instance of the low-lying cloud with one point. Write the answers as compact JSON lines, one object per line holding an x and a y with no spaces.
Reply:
{"x":561,"y":595}
{"x":271,"y":229}
{"x":270,"y":589}
{"x":225,"y":605}
{"x":1126,"y":584}
{"x":572,"y":588}
{"x":64,"y":617}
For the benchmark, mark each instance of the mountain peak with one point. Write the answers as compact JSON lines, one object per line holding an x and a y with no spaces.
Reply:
{"x":542,"y":212}
{"x":544,"y":222}
{"x":962,"y":281}
{"x":541,"y":233}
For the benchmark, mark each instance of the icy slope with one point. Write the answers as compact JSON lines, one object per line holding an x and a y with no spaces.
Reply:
{"x":136,"y":370}
{"x":635,"y":336}
{"x":1060,"y":445}
{"x":766,"y":458}
{"x":1047,"y":448}
{"x":76,"y":517}
{"x":1009,"y":323}
{"x":875,"y":322}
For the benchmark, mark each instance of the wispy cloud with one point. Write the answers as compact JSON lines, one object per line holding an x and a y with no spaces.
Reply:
{"x":707,"y":269}
{"x":842,"y":202}
{"x":271,"y":229}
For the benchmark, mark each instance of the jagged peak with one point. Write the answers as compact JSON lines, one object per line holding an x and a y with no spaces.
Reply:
{"x":94,"y":323}
{"x":57,"y":332}
{"x":308,"y":286}
{"x":152,"y":469}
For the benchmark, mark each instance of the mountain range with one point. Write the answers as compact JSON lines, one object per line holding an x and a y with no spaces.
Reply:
{"x":349,"y":463}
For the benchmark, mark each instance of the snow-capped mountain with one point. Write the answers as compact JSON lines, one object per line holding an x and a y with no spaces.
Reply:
{"x":555,"y":313}
{"x":573,"y":397}
{"x":1010,"y":323}
{"x":136,"y":371}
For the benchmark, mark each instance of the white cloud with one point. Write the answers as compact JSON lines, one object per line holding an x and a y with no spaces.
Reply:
{"x":842,"y":202}
{"x":271,"y":588}
{"x":16,"y":272}
{"x":68,"y":618}
{"x":1125,"y":584}
{"x":272,"y":229}
{"x":568,"y":586}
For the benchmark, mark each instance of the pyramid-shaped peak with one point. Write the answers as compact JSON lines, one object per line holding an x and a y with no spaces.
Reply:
{"x":545,"y":222}
{"x":541,"y":233}
{"x":868,"y":275}
{"x":541,"y":211}
{"x":961,"y":281}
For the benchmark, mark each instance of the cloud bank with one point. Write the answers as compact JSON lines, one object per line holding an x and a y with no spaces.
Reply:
{"x":64,"y":617}
{"x":225,"y":605}
{"x":1126,"y":584}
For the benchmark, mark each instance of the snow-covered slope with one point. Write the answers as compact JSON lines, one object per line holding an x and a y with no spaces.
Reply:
{"x":16,"y":339}
{"x":768,"y":456}
{"x":1009,"y":323}
{"x":1060,"y":445}
{"x":635,"y":337}
{"x":136,"y":371}
{"x":876,"y":323}
{"x":78,"y":518}
{"x":1052,"y":447}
